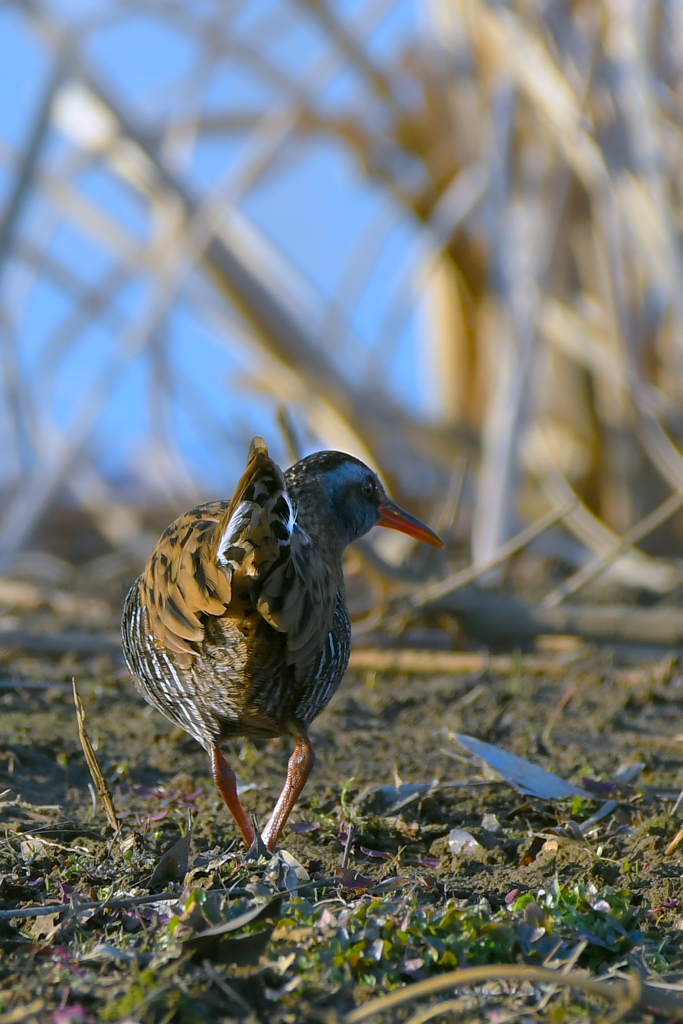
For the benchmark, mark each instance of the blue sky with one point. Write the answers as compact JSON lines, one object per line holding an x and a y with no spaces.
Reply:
{"x":316,"y":208}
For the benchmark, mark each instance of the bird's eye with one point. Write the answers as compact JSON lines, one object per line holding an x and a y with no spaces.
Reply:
{"x":368,"y":488}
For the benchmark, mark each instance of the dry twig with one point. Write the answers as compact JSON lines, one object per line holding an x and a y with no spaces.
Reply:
{"x":587,"y":573}
{"x":93,"y":764}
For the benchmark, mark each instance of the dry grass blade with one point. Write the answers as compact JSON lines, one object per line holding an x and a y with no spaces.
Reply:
{"x":675,"y":843}
{"x":352,"y":49}
{"x":289,"y":432}
{"x":627,"y":994}
{"x":568,"y":966}
{"x":594,"y":568}
{"x":631,"y":566}
{"x":445,"y":1006}
{"x":414,"y":662}
{"x":519,"y":45}
{"x":93,"y":764}
{"x":30,"y":163}
{"x":436,"y":591}
{"x":376,"y":659}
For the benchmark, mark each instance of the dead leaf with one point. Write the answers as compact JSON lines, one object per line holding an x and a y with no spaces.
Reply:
{"x":302,"y":828}
{"x":240,"y":950}
{"x":172,"y":867}
{"x":351,"y":879}
{"x":43,"y":927}
{"x":191,"y":923}
{"x":220,"y":944}
{"x":258,"y":913}
{"x":520,"y":773}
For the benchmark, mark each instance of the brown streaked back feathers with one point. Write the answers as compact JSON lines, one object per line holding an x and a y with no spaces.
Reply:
{"x":250,"y":547}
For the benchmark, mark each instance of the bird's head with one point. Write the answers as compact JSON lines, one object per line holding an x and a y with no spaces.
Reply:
{"x":339,"y":499}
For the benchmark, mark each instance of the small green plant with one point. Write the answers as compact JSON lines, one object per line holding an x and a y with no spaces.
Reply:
{"x":580,"y":806}
{"x":347,"y":810}
{"x":384,"y":942}
{"x":606,"y":919}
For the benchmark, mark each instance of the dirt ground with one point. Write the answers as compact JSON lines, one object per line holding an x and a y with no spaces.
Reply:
{"x":613,"y":716}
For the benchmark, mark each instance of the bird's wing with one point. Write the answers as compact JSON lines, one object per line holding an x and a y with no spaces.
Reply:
{"x":250,"y":549}
{"x":298,"y":596}
{"x":180,"y":583}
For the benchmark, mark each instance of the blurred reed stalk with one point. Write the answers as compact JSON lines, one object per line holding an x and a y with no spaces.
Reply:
{"x":535,"y":151}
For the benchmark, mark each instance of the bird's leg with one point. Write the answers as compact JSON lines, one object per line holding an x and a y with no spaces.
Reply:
{"x":298,"y":770}
{"x":225,"y":780}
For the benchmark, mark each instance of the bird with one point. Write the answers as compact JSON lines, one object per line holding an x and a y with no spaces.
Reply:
{"x":238,"y":624}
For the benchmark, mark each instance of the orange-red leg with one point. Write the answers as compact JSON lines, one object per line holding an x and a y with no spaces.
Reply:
{"x":298,"y":770}
{"x":225,"y":780}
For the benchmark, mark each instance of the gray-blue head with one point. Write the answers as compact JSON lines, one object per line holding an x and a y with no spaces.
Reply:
{"x":339,"y":499}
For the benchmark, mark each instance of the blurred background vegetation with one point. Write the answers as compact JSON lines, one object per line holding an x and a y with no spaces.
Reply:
{"x":444,"y":235}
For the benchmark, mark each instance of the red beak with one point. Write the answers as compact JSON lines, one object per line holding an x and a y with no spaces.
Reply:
{"x":395,"y":518}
